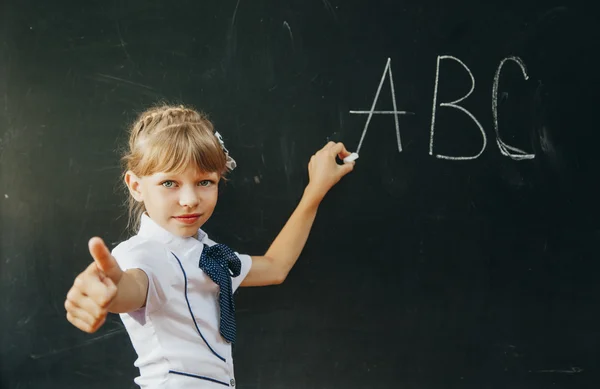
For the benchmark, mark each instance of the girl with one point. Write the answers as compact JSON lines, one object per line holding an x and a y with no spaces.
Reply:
{"x":170,"y":283}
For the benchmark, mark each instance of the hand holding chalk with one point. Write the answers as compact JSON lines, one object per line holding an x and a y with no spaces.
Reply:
{"x":324,"y":171}
{"x":351,"y":157}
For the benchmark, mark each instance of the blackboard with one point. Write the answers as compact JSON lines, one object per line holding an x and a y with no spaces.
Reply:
{"x":438,"y":263}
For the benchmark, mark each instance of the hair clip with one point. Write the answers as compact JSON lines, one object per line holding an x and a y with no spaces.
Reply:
{"x":231,"y":164}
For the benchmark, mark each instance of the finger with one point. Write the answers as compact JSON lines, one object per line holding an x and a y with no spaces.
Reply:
{"x":83,"y":325}
{"x":87,"y":304}
{"x":75,"y":293}
{"x":329,"y":145}
{"x":77,"y":322}
{"x":82,"y":281}
{"x":346,"y":168}
{"x":104,"y":260}
{"x":100,"y":323}
{"x":340,"y":150}
{"x":101,"y":293}
{"x":90,"y":284}
{"x":81,"y":314}
{"x":88,"y":281}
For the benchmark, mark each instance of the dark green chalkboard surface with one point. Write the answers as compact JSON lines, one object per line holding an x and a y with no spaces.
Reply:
{"x":461,"y":253}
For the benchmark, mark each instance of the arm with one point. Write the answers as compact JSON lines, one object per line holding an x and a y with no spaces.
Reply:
{"x":132,"y":291}
{"x":324,"y":173}
{"x":103,"y":287}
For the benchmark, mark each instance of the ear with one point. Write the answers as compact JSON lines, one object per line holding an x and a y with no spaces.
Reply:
{"x":134,"y":184}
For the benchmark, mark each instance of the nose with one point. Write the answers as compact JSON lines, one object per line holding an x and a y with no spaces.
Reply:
{"x":188,"y":197}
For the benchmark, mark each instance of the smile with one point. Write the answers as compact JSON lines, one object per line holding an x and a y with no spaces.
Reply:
{"x":188,"y":219}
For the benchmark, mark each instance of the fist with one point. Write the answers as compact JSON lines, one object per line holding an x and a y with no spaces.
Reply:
{"x":94,"y":289}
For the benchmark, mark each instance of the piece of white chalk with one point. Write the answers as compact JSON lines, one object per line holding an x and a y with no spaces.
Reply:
{"x":351,"y":157}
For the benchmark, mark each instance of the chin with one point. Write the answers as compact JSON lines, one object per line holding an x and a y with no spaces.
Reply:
{"x":187,"y":232}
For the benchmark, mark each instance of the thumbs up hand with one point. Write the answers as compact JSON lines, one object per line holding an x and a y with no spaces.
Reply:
{"x":94,"y":289}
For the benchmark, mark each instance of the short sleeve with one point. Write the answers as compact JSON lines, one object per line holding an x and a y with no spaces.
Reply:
{"x":246,"y":265}
{"x":152,"y":258}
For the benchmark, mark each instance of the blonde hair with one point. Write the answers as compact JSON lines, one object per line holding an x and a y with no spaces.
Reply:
{"x":168,"y":138}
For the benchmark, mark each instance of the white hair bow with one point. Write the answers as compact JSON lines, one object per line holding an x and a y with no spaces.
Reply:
{"x":231,"y":164}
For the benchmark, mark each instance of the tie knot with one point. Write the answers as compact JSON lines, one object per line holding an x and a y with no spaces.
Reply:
{"x":225,"y":257}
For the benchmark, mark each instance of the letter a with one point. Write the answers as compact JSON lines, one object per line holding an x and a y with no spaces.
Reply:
{"x":395,"y":112}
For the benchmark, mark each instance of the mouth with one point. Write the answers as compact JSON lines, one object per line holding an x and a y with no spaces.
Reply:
{"x":188,"y":218}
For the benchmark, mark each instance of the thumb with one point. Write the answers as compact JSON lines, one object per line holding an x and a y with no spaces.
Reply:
{"x":346,"y":168}
{"x":104,"y":260}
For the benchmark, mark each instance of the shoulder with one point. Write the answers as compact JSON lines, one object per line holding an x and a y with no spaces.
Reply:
{"x":139,"y":252}
{"x":138,"y":244}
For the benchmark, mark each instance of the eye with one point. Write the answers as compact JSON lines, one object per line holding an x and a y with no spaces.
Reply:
{"x":205,"y":183}
{"x":168,"y":184}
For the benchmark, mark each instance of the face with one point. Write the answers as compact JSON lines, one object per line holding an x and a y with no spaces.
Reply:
{"x":179,"y":203}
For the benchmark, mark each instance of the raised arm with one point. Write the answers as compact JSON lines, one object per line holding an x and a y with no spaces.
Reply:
{"x":324,"y":172}
{"x":103,"y":287}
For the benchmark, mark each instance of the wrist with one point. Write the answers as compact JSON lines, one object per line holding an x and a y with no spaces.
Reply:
{"x":312,"y":197}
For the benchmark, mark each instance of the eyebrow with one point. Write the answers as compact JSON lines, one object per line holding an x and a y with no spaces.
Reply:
{"x":202,"y":176}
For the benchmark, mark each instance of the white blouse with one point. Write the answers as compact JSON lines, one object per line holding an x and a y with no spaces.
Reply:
{"x":176,"y":335}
